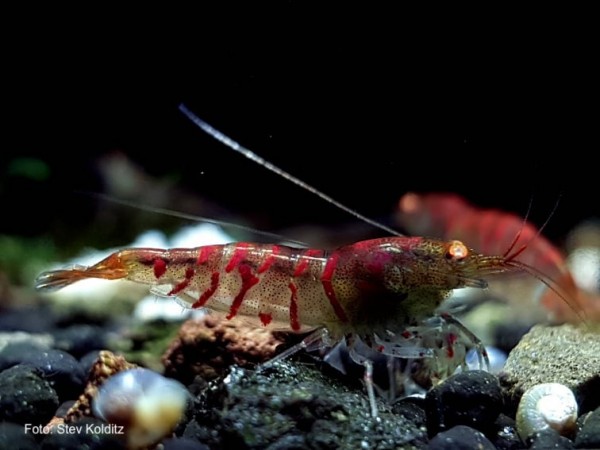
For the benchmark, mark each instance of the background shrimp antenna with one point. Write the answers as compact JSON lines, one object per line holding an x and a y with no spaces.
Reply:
{"x":216,"y":134}
{"x":537,"y":235}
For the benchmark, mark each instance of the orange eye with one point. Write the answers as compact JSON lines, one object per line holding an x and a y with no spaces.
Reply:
{"x":457,"y":250}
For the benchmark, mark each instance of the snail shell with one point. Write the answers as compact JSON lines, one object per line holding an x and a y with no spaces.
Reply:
{"x":544,"y":406}
{"x":147,"y":404}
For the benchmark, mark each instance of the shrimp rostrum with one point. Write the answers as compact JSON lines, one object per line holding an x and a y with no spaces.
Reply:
{"x":381,"y":292}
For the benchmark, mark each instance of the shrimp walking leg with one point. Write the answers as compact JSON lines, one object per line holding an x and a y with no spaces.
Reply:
{"x":314,"y":341}
{"x":352,"y":342}
{"x":482,"y":356}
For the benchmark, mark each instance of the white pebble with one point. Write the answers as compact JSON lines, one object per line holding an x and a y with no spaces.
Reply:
{"x":147,"y":404}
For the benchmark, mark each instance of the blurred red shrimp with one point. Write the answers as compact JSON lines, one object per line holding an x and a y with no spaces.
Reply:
{"x":496,"y":232}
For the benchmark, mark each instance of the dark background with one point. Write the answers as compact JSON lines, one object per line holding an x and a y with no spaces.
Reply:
{"x":362,"y":102}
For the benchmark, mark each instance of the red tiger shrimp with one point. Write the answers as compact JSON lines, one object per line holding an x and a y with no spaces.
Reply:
{"x":383,"y":293}
{"x":494,"y":231}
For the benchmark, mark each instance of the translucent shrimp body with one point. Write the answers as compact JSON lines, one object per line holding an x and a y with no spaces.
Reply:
{"x":382,"y":292}
{"x":368,"y":286}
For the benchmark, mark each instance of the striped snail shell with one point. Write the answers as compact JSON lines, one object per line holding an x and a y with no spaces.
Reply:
{"x":544,"y":406}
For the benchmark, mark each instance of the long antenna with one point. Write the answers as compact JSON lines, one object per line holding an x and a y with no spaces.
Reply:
{"x":267,"y":165}
{"x":194,"y":218}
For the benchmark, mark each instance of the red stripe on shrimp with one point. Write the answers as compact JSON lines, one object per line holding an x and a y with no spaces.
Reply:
{"x":326,"y":281}
{"x":275,"y":249}
{"x":304,"y":259}
{"x":206,"y":295}
{"x":206,"y":253}
{"x":451,"y":340}
{"x":241,"y":249}
{"x":294,"y":322}
{"x":189,"y":273}
{"x":265,"y":318}
{"x":248,"y":280}
{"x":160,"y":267}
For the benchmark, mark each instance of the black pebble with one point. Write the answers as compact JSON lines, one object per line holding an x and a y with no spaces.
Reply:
{"x":504,"y":434}
{"x":550,"y":439}
{"x":60,"y":369}
{"x":13,"y":435}
{"x":460,"y":437}
{"x":38,"y":319}
{"x":471,"y":398}
{"x":508,"y":335}
{"x":13,"y":353}
{"x":88,"y":360}
{"x":182,"y":444}
{"x":589,"y":435}
{"x":25,"y":397}
{"x":64,"y":408}
{"x":80,"y":339}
